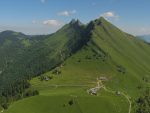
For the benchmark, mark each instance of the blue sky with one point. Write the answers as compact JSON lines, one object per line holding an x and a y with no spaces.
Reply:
{"x":47,"y":16}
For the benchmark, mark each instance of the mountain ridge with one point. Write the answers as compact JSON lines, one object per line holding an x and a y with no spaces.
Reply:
{"x":84,"y":52}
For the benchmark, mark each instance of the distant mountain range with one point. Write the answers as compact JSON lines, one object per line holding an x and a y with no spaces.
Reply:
{"x":145,"y":38}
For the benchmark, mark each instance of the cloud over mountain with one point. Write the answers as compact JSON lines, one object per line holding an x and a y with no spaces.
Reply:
{"x":67,"y":13}
{"x":53,"y":23}
{"x":110,"y":15}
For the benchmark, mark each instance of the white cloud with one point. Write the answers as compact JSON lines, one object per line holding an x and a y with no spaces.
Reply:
{"x":53,"y":23}
{"x":110,"y":15}
{"x":43,"y":1}
{"x":67,"y":13}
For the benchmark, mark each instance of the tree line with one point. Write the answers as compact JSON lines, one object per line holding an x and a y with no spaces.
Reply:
{"x":143,"y":103}
{"x":16,"y":91}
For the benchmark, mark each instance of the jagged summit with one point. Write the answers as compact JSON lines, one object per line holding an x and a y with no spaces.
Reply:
{"x":102,"y":22}
{"x":102,"y":19}
{"x":86,"y":52}
{"x":76,"y":21}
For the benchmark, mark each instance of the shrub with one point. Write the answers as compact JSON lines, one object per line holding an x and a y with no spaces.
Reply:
{"x":31,"y":93}
{"x":88,"y":57}
{"x":56,"y":71}
{"x":35,"y":92}
{"x":70,"y":102}
{"x":79,"y":60}
{"x":121,"y":69}
{"x":5,"y":106}
{"x":144,"y":103}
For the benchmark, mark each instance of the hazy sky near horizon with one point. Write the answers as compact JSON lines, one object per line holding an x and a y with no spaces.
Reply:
{"x":47,"y":16}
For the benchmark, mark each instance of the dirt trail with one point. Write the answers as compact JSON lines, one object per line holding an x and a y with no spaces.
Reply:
{"x":101,"y":85}
{"x":55,"y":85}
{"x":130,"y":103}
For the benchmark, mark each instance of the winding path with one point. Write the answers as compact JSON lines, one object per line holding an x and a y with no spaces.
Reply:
{"x":98,"y":86}
{"x":101,"y":85}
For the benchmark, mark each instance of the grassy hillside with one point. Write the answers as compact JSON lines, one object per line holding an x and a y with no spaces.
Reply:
{"x":82,"y":104}
{"x":126,"y":52}
{"x":26,"y":56}
{"x":106,"y":53}
{"x":73,"y":82}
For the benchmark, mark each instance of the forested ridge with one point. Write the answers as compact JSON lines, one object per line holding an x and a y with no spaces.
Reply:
{"x":24,"y":57}
{"x":120,"y":56}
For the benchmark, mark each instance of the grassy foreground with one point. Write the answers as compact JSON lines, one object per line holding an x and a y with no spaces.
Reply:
{"x":72,"y":84}
{"x":119,"y":57}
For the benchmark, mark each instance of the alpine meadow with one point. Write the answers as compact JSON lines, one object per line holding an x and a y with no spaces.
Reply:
{"x":80,"y":67}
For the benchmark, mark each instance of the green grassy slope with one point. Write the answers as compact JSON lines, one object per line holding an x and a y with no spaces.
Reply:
{"x":34,"y":55}
{"x":76,"y":78}
{"x":111,"y":53}
{"x":59,"y":104}
{"x":124,"y":50}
